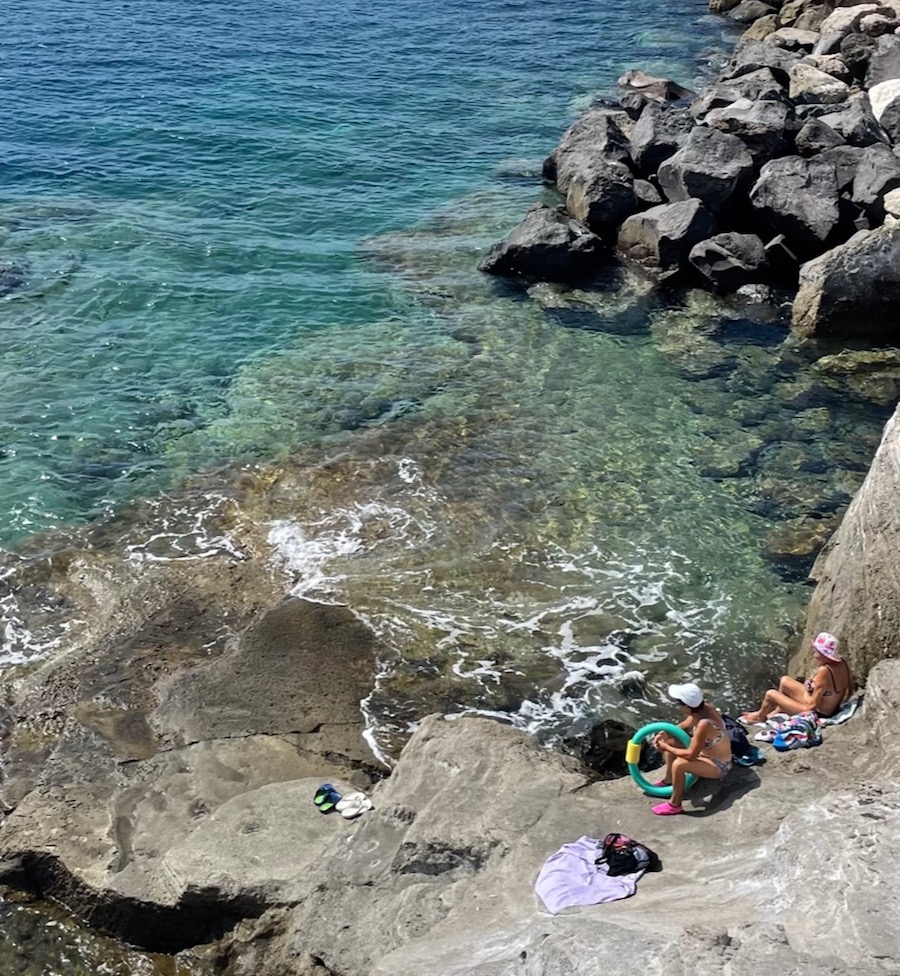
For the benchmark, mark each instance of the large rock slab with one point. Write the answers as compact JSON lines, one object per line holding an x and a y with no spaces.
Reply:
{"x":852,"y":290}
{"x":596,"y":135}
{"x":663,"y":236}
{"x":547,"y":246}
{"x":857,"y":574}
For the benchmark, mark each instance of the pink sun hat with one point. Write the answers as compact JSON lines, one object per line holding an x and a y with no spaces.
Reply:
{"x":827,"y":645}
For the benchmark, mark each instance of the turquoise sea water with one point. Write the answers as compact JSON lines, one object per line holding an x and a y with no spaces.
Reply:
{"x":185,"y":184}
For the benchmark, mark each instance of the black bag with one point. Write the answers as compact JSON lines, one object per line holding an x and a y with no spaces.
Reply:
{"x":623,"y":855}
{"x":740,"y":744}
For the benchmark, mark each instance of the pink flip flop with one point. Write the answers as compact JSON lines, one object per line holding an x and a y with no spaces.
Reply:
{"x":665,"y":809}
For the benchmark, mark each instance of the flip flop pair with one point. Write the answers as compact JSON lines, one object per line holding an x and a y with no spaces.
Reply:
{"x":327,"y":798}
{"x":353,"y":804}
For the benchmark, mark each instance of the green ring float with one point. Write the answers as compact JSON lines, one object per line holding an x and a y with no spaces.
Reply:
{"x":633,"y":756}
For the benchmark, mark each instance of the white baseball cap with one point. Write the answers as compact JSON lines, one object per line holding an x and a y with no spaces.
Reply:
{"x":689,"y":695}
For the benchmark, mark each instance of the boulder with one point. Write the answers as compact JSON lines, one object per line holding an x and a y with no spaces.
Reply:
{"x":712,"y":166}
{"x":857,"y":594}
{"x":760,"y":29}
{"x":602,"y":195}
{"x":809,"y":84}
{"x":729,"y":261}
{"x":831,"y":64}
{"x":546,"y":245}
{"x":793,"y":39}
{"x":597,"y":135}
{"x":878,"y":173}
{"x":854,"y":121}
{"x":663,"y":236}
{"x":658,"y":134}
{"x":754,"y":54}
{"x":869,"y":375}
{"x":846,"y":160}
{"x":885,"y":101}
{"x":764,"y":126}
{"x":815,"y":136}
{"x":877,"y":24}
{"x":856,"y":49}
{"x":654,"y":88}
{"x":884,"y":61}
{"x":747,"y":11}
{"x":799,"y":198}
{"x":843,"y":21}
{"x":852,"y":291}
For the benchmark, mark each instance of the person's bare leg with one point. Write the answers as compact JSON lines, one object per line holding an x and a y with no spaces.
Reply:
{"x":774,"y":701}
{"x":704,"y":768}
{"x":792,"y":688}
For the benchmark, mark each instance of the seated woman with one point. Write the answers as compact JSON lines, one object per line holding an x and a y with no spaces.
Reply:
{"x":824,"y":692}
{"x":708,"y":755}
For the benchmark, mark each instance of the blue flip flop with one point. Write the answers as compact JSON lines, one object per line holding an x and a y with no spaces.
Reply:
{"x":326,"y":798}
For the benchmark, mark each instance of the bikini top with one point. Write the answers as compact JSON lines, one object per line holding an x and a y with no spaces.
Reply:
{"x":717,"y":738}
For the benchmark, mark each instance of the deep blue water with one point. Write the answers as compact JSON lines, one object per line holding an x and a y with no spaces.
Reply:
{"x":185,"y":185}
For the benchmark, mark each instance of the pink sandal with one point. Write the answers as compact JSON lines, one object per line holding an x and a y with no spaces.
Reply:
{"x":665,"y":809}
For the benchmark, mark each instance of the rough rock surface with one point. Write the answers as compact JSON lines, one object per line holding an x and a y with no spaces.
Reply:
{"x":858,"y":572}
{"x":852,"y":291}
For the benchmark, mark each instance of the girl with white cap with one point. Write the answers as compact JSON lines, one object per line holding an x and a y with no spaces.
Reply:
{"x":824,"y":692}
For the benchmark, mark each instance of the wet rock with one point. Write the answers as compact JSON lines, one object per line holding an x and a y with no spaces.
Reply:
{"x":659,"y":133}
{"x":728,"y":261}
{"x":852,"y":290}
{"x":712,"y":166}
{"x":546,"y":245}
{"x":686,"y":340}
{"x":663,"y":236}
{"x":730,"y":458}
{"x":779,"y":498}
{"x":793,"y":545}
{"x":12,"y":276}
{"x":871,"y":375}
{"x":602,"y":747}
{"x":798,"y":197}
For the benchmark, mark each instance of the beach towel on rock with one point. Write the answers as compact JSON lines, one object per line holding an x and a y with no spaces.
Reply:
{"x":570,"y":877}
{"x":846,"y":711}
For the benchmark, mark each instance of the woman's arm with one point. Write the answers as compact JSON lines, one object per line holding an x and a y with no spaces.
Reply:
{"x":816,"y":688}
{"x":701,"y":730}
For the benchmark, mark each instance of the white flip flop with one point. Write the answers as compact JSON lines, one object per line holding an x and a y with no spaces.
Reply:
{"x":349,"y":800}
{"x":355,"y":809}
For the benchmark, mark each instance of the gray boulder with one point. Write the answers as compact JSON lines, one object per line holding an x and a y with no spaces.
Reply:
{"x":729,"y":261}
{"x":884,"y":62}
{"x":756,"y":84}
{"x":856,"y":49}
{"x":815,"y":136}
{"x":749,"y":10}
{"x":546,"y":245}
{"x":712,"y":167}
{"x":793,"y":39}
{"x":877,"y":174}
{"x":654,"y":88}
{"x":854,"y":122}
{"x":809,"y":84}
{"x":765,"y":126}
{"x":753,"y":55}
{"x":846,"y":160}
{"x":597,"y":135}
{"x":602,"y":195}
{"x":663,"y":236}
{"x":798,"y":197}
{"x":852,"y":291}
{"x":658,"y":134}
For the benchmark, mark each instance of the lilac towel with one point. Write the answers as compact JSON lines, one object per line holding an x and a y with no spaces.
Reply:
{"x":570,"y":877}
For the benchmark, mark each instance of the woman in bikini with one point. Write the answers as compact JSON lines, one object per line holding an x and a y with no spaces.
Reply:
{"x":708,"y":755}
{"x":823,"y":693}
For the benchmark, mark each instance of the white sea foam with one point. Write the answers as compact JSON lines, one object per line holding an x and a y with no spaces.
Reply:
{"x":185,"y":532}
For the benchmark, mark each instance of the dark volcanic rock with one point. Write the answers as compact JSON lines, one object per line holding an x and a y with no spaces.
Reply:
{"x":799,"y":198}
{"x":728,"y":261}
{"x":546,"y":245}
{"x":846,"y":160}
{"x":765,"y":126}
{"x":602,"y":196}
{"x":884,"y":61}
{"x":663,"y":236}
{"x":712,"y":166}
{"x":596,"y":136}
{"x":659,"y":133}
{"x":878,"y":173}
{"x":815,"y":136}
{"x":852,"y":291}
{"x":654,"y":88}
{"x":855,"y":121}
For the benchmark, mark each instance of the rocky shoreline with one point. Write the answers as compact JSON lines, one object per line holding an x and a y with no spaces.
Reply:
{"x":162,"y":770}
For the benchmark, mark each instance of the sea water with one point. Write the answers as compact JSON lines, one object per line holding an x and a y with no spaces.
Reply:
{"x":246,"y":234}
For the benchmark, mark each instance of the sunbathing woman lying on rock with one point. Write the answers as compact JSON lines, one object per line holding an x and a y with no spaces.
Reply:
{"x":824,"y":692}
{"x":708,"y":755}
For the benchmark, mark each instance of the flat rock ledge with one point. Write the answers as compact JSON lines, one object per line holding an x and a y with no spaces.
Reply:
{"x":785,"y":868}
